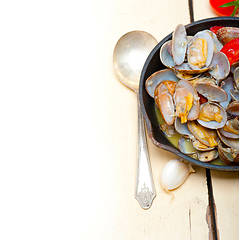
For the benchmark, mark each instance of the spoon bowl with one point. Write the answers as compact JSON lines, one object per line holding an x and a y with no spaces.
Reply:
{"x":130,"y":54}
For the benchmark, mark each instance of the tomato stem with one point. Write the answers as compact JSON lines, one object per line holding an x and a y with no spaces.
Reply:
{"x":232,"y":3}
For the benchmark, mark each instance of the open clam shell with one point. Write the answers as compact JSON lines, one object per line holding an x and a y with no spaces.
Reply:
{"x":165,"y":56}
{"x":183,"y":89}
{"x":179,"y":44}
{"x":185,"y":146}
{"x":234,"y":93}
{"x":228,"y":155}
{"x":228,"y":134}
{"x":230,"y":142}
{"x":200,"y":50}
{"x":182,"y":128}
{"x":157,"y":77}
{"x":233,"y":108}
{"x":164,"y":100}
{"x":210,"y":107}
{"x":211,"y":91}
{"x":200,"y":146}
{"x":202,"y":136}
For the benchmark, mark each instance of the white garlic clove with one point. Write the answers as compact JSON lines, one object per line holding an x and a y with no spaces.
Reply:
{"x":174,"y":173}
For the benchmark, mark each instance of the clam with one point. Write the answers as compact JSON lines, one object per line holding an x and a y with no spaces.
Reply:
{"x":235,"y":123}
{"x":157,"y":77}
{"x":200,"y":146}
{"x":200,"y":50}
{"x":212,"y":115}
{"x":221,"y":66}
{"x":228,"y":155}
{"x":211,"y":91}
{"x":206,"y":136}
{"x":231,"y":129}
{"x":226,"y":34}
{"x":186,"y":146}
{"x":164,"y":100}
{"x":230,"y":142}
{"x":186,"y":101}
{"x":228,"y":134}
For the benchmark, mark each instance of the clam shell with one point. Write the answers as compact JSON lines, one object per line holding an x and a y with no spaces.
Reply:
{"x":179,"y":44}
{"x":235,"y":122}
{"x":221,"y":66}
{"x":217,"y":44}
{"x":230,"y":142}
{"x":228,"y":134}
{"x":227,"y":156}
{"x":211,"y":91}
{"x":227,"y":85}
{"x":182,"y":89}
{"x":214,"y":124}
{"x":210,"y":49}
{"x":164,"y":100}
{"x":226,"y":34}
{"x":185,"y":68}
{"x":195,"y":134}
{"x":157,"y":77}
{"x":182,"y":128}
{"x":208,"y":156}
{"x":233,"y":108}
{"x":165,"y":56}
{"x":200,"y":146}
{"x":185,"y":146}
{"x":234,"y":66}
{"x":234,"y":94}
{"x":236,"y":77}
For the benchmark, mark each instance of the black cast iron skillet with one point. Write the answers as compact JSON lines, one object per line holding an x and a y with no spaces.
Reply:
{"x":154,"y":64}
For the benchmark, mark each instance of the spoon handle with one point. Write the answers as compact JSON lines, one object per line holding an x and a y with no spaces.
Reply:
{"x":144,"y":190}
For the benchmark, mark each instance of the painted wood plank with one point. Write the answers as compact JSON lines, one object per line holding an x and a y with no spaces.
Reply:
{"x":115,"y":213}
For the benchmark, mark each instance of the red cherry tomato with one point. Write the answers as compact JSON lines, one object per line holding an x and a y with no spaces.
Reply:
{"x":231,"y":49}
{"x":215,"y":28}
{"x":221,"y":11}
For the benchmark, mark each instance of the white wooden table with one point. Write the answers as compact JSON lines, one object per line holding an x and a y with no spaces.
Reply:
{"x":69,"y":129}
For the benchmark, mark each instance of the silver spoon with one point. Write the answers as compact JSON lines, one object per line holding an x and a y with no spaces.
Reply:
{"x":130,"y":54}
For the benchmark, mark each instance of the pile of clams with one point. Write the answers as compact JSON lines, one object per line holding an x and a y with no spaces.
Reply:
{"x":198,"y":94}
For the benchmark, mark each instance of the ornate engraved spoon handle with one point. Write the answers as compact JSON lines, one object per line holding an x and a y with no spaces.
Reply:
{"x":144,"y":190}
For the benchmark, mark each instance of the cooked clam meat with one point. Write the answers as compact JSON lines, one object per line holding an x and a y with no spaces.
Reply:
{"x":210,"y":112}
